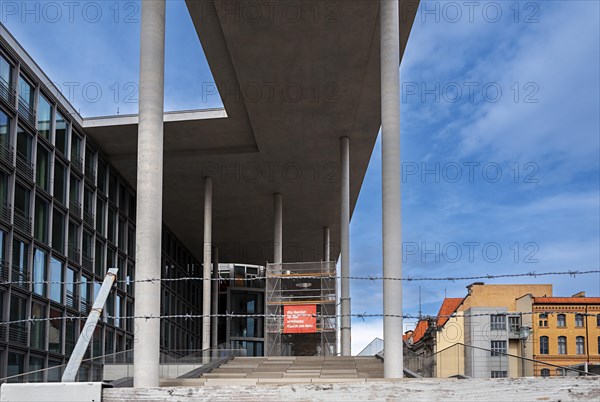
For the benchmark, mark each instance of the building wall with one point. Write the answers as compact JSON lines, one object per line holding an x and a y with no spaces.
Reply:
{"x":502,"y":295}
{"x":479,"y":363}
{"x":66,"y":215}
{"x":449,"y":353}
{"x":590,"y":331}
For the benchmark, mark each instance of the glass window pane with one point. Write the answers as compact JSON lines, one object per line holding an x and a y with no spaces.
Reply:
{"x":42,"y":172}
{"x":24,"y":144}
{"x":25,"y":92}
{"x":39,"y":272}
{"x":41,"y":220}
{"x":5,"y":72}
{"x":15,"y":366}
{"x":38,"y":328}
{"x":44,"y":116}
{"x":55,"y":331}
{"x":4,"y":129}
{"x":58,"y":231}
{"x":56,"y":275}
{"x":61,"y":134}
{"x":60,"y":182}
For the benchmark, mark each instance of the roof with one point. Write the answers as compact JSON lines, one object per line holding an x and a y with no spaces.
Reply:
{"x":566,"y":300}
{"x":449,"y":306}
{"x":420,"y":330}
{"x":407,"y":335}
{"x":372,"y":348}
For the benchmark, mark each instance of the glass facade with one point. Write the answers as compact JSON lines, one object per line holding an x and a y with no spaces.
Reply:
{"x":66,"y":215}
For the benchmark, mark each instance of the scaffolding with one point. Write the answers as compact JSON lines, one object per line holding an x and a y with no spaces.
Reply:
{"x":290,"y":287}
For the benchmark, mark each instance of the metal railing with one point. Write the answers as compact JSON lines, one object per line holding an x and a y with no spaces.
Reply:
{"x":7,"y":152}
{"x":20,"y":276}
{"x":75,"y":208}
{"x":7,"y":92}
{"x":17,"y":333}
{"x":76,"y":162}
{"x":5,"y":212}
{"x":24,"y":166}
{"x":22,"y":221}
{"x":74,"y":254}
{"x":88,"y":218}
{"x":4,"y":271}
{"x":26,"y":111}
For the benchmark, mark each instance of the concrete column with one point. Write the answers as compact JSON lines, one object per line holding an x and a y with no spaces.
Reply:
{"x":278,"y":229}
{"x":390,"y":164}
{"x":207,"y":262}
{"x":326,"y":244}
{"x":345,"y":246}
{"x":214,"y":326}
{"x":149,"y":194}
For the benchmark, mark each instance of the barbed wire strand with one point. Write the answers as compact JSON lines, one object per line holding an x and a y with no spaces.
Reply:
{"x":280,"y":316}
{"x":571,"y":273}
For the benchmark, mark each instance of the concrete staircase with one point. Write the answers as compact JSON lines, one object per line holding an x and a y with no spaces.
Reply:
{"x":286,"y":370}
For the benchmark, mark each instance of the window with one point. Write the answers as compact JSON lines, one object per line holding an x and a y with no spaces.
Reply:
{"x":84,"y":292}
{"x":598,"y":320}
{"x":562,"y":345}
{"x":543,"y":345}
{"x":498,"y":348}
{"x":55,"y":331}
{"x":4,"y":209}
{"x":543,"y":320}
{"x":561,"y":320}
{"x":4,"y":129}
{"x":580,"y":345}
{"x":498,"y":322}
{"x":599,"y":345}
{"x":113,"y":187}
{"x":100,"y":215}
{"x":20,"y":261}
{"x":5,"y":74}
{"x":545,"y":372}
{"x":56,"y":275}
{"x":88,"y":204}
{"x":499,"y":374}
{"x":60,"y":134}
{"x":35,"y":364}
{"x":44,"y":117}
{"x":76,"y":143}
{"x":60,"y":182}
{"x":15,"y":366}
{"x":25,"y":94}
{"x":18,"y":312}
{"x":58,"y":231}
{"x":578,"y":320}
{"x":514,"y":324}
{"x":99,"y":260}
{"x":90,"y":163}
{"x":74,"y":197}
{"x":73,"y":241}
{"x":112,"y":225}
{"x":38,"y":328}
{"x":39,"y":272}
{"x":42,"y":172}
{"x":24,"y":145}
{"x":41,"y":220}
{"x":101,"y":177}
{"x":71,"y":288}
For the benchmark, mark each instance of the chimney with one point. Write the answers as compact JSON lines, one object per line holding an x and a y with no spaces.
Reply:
{"x":579,"y":294}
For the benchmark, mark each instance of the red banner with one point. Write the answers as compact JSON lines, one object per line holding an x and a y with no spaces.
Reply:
{"x":300,"y":319}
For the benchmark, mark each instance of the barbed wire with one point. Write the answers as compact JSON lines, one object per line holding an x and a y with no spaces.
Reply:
{"x":280,"y":316}
{"x":571,"y":273}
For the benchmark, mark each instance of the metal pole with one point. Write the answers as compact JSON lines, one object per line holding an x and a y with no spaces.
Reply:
{"x":345,"y":245}
{"x":206,"y":275}
{"x":278,"y":229}
{"x":214,"y":327}
{"x":391,"y":199}
{"x":326,"y":244}
{"x":90,"y":325}
{"x":149,"y":194}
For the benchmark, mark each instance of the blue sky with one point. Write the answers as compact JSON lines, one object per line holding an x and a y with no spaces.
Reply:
{"x":500,"y":135}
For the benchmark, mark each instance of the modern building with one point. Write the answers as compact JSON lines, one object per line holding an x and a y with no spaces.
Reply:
{"x":566,"y":333}
{"x":271,"y":179}
{"x":66,"y":216}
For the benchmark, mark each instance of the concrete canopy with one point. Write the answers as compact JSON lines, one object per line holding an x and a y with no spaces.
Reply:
{"x":294,"y":78}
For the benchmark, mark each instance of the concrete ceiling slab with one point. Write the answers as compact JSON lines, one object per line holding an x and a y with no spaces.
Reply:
{"x":292,"y":85}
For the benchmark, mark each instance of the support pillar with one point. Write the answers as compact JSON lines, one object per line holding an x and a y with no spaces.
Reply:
{"x":214,"y":326}
{"x":391,"y":199}
{"x":278,"y":230}
{"x":326,"y":244}
{"x":206,"y":265}
{"x":345,"y":321}
{"x":149,"y":194}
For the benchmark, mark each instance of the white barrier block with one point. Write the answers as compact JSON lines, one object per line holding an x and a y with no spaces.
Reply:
{"x":52,"y":392}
